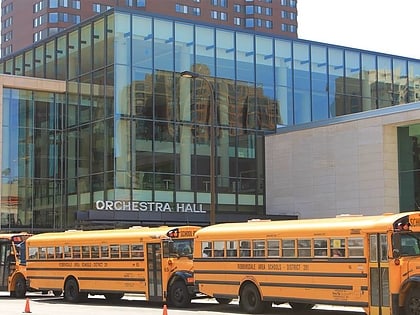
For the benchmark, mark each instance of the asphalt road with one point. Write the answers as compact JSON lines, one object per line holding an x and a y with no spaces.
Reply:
{"x":38,"y":304}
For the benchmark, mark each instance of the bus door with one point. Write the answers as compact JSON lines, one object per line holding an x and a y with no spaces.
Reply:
{"x":4,"y":263}
{"x":379,"y":275}
{"x":154,"y":271}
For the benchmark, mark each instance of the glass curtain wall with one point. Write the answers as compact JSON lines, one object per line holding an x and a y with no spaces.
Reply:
{"x":32,"y":185}
{"x":170,"y":116}
{"x":409,"y":167}
{"x":134,"y":130}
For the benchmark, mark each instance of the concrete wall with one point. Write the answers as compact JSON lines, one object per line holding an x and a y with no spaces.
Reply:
{"x":345,"y":167}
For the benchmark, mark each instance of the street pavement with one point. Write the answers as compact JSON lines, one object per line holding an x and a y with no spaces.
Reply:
{"x":37,"y":304}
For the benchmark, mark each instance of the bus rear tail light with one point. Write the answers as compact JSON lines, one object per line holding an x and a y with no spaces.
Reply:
{"x":397,"y":262}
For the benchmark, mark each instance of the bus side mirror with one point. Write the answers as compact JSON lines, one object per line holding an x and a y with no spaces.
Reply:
{"x":396,"y":253}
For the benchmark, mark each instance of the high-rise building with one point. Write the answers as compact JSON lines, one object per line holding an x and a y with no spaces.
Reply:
{"x":25,"y":22}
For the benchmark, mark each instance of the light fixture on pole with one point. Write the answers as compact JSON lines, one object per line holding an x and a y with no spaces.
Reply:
{"x":194,"y":75}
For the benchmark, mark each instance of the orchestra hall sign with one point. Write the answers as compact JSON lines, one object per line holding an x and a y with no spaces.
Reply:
{"x":148,"y":206}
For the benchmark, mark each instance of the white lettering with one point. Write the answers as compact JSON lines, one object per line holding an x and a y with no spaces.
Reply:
{"x":188,"y":208}
{"x":147,"y":206}
{"x":117,"y":205}
{"x":100,"y":205}
{"x":143,"y":206}
{"x":108,"y":205}
{"x":167,"y":207}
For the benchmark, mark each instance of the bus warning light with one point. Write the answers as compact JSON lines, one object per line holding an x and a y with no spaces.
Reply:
{"x":174,"y":233}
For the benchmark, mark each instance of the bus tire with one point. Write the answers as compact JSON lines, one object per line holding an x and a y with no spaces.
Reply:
{"x":301,"y":306}
{"x":71,"y":291}
{"x":223,"y":300}
{"x":250,"y":300}
{"x":178,"y":294}
{"x":20,"y":287}
{"x":412,"y":302}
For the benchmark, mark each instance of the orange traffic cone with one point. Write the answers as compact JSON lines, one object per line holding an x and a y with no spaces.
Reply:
{"x":27,"y":308}
{"x":165,"y":310}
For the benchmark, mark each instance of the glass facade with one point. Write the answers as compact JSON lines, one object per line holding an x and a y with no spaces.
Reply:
{"x":130,"y":129}
{"x":409,"y":167}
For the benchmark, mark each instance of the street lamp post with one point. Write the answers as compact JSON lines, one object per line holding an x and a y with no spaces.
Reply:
{"x":194,"y":75}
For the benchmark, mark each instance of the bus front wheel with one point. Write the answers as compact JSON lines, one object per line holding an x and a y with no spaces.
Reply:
{"x":20,"y":287}
{"x":250,"y":300}
{"x":412,"y":302}
{"x":178,"y":294}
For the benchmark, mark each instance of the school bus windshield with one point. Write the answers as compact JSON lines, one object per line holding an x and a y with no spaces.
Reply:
{"x":179,"y":248}
{"x":409,"y":244}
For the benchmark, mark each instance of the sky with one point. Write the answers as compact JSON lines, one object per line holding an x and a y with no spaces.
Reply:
{"x":385,"y":26}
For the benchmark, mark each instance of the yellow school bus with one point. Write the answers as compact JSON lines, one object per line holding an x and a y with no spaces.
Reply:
{"x":152,"y":261}
{"x":372,"y":262}
{"x":13,"y":263}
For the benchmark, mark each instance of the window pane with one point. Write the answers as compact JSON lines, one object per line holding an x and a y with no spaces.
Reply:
{"x":219,"y":249}
{"x":245,"y":249}
{"x":258,"y":248}
{"x":273,"y":247}
{"x":163,"y":45}
{"x":288,"y":248}
{"x":337,"y":246}
{"x":320,"y":248}
{"x":304,"y":248}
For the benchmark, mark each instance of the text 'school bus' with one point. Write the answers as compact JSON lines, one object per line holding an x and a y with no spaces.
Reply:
{"x":153,"y":261}
{"x":13,"y":263}
{"x":371,"y":262}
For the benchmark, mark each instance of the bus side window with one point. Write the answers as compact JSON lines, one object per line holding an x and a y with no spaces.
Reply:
{"x":115,"y":251}
{"x":67,"y":252}
{"x":42,"y":253}
{"x":338,"y":247}
{"x":50,"y":252}
{"x":33,"y":253}
{"x":219,"y":248}
{"x":85,"y":252}
{"x":206,"y":249}
{"x":356,"y":247}
{"x":320,"y":248}
{"x":273,"y":247}
{"x":137,"y":250}
{"x":245,"y":249}
{"x":94,"y":251}
{"x":304,"y":248}
{"x":58,"y":252}
{"x":125,"y":251}
{"x":76,"y":251}
{"x":104,"y":251}
{"x":232,"y":249}
{"x":258,"y":248}
{"x":289,"y":247}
